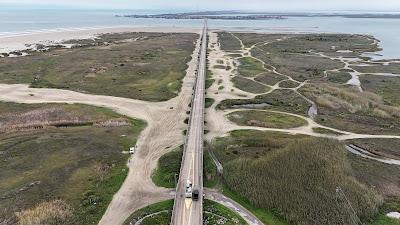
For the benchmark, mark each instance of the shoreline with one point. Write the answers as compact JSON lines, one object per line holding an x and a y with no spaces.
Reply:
{"x":22,"y":41}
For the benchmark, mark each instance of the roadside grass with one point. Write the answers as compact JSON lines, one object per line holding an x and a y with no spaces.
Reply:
{"x":265,"y":119}
{"x":210,"y":173}
{"x":160,"y":219}
{"x":248,"y":85}
{"x":215,"y":213}
{"x":82,"y":166}
{"x":386,"y":87}
{"x":168,"y":165}
{"x":267,"y":217}
{"x":250,"y":67}
{"x":209,"y":102}
{"x":294,"y":176}
{"x":150,"y":68}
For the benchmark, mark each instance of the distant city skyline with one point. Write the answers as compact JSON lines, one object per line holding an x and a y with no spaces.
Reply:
{"x":260,"y":5}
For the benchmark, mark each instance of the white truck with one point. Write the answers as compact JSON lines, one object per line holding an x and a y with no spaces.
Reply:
{"x":188,"y":190}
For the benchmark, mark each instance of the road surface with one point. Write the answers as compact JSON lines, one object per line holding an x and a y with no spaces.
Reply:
{"x":186,"y":211}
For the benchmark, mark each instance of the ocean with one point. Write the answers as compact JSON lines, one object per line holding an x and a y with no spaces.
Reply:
{"x":24,"y":21}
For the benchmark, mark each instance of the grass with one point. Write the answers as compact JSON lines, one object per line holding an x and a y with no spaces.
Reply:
{"x":228,"y":42}
{"x":269,"y":78}
{"x":340,"y":77}
{"x":384,"y":178}
{"x":321,"y":130}
{"x":388,"y":148}
{"x":294,"y":176}
{"x":82,"y":166}
{"x":288,"y":84}
{"x":265,"y":119}
{"x":250,"y":67}
{"x":168,"y":166}
{"x":386,"y":87}
{"x":161,"y":219}
{"x":248,"y":85}
{"x":164,"y":209}
{"x":209,"y":102}
{"x":280,"y":99}
{"x":209,"y":82}
{"x":292,"y":57}
{"x":151,"y":68}
{"x":345,"y":108}
{"x":210,"y":174}
{"x":391,"y":68}
{"x":215,"y":213}
{"x":267,"y":217}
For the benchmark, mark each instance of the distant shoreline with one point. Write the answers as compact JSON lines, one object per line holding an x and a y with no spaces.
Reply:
{"x":243,"y":15}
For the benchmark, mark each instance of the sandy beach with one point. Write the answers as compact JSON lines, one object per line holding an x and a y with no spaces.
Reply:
{"x":22,"y":41}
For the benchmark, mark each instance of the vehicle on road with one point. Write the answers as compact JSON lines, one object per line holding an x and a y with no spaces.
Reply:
{"x":188,"y":191}
{"x":195,"y":195}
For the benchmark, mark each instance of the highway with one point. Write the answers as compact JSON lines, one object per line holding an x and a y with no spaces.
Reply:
{"x":187,"y":211}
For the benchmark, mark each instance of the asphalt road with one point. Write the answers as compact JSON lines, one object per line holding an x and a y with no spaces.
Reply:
{"x":186,"y":211}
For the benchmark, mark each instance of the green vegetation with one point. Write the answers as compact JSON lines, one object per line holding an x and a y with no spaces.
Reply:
{"x":221,"y":67}
{"x":228,"y":42}
{"x":373,"y":68}
{"x":325,"y":131}
{"x":386,"y":87}
{"x":384,"y":178}
{"x":150,"y":68}
{"x":294,"y":176}
{"x":346,"y":108}
{"x":269,"y":78}
{"x":267,"y":217}
{"x":81,"y":163}
{"x":340,"y":77}
{"x":288,"y":84}
{"x":280,"y":99}
{"x":266,"y":119}
{"x":248,"y":85}
{"x":292,"y":56}
{"x":215,"y":213}
{"x":168,"y":166}
{"x":250,"y":67}
{"x":210,"y":173}
{"x":209,"y":102}
{"x":164,"y":218}
{"x":209,"y":82}
{"x":160,"y":214}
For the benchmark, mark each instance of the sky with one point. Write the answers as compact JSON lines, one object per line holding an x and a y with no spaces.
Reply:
{"x":260,"y":5}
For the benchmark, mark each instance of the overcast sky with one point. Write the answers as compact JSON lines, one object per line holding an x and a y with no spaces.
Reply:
{"x":265,"y":5}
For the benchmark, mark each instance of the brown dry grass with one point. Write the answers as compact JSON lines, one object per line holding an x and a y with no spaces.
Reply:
{"x":45,"y":213}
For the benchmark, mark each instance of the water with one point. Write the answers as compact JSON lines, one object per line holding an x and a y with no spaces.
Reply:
{"x":18,"y":21}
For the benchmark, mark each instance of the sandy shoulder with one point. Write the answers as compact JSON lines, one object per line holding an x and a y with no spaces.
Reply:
{"x":19,"y":42}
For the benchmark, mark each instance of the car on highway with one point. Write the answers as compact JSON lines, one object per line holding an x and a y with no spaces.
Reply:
{"x":188,"y":190}
{"x":195,"y":195}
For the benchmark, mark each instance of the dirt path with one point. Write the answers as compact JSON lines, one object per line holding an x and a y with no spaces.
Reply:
{"x":162,"y":134}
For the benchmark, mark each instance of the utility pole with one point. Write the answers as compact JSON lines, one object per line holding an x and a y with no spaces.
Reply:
{"x":354,"y":217}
